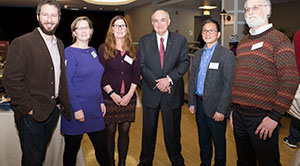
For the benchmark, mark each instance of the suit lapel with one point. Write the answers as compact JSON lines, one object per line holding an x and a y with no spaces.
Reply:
{"x":169,"y":48}
{"x":42,"y":44}
{"x":154,"y":48}
{"x":215,"y":55}
{"x":199,"y":60}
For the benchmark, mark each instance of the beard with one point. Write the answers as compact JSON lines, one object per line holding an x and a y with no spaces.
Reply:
{"x":255,"y":22}
{"x":48,"y":32}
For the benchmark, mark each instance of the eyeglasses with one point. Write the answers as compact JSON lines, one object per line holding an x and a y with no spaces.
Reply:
{"x":82,"y":28}
{"x":254,"y":8}
{"x":119,"y":25}
{"x":210,"y":31}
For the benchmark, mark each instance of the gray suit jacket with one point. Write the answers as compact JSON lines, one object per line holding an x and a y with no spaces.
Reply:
{"x":176,"y":63}
{"x":218,"y":82}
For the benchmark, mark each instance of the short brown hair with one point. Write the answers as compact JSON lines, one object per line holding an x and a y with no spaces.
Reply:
{"x":74,"y":23}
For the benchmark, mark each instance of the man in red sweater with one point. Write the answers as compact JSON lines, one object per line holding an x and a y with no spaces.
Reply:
{"x":265,"y":82}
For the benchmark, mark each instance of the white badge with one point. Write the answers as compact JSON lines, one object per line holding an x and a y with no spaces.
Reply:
{"x":94,"y":54}
{"x":213,"y":65}
{"x":257,"y":45}
{"x":66,"y":62}
{"x":128,"y":59}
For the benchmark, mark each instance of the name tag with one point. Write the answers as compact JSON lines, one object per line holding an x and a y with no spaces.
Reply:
{"x":66,"y":62}
{"x":128,"y":59}
{"x":213,"y":65}
{"x":94,"y":54}
{"x":257,"y":45}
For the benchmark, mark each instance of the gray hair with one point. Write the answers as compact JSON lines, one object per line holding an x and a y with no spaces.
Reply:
{"x":266,"y":3}
{"x":48,"y":2}
{"x":166,"y":13}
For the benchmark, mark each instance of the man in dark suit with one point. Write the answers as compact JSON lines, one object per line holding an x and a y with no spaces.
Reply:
{"x":210,"y":93}
{"x":35,"y":79}
{"x":164,"y":60}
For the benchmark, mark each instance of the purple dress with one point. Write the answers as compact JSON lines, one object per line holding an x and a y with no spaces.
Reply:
{"x":84,"y":74}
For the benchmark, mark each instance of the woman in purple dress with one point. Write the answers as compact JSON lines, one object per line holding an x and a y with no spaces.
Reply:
{"x":120,"y":79}
{"x":84,"y":74}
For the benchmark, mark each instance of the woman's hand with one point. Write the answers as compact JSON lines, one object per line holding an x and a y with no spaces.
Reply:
{"x":116,"y":98}
{"x":103,"y":109}
{"x":79,"y":115}
{"x":126,"y":99}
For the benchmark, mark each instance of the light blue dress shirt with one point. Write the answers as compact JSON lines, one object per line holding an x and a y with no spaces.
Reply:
{"x":205,"y":60}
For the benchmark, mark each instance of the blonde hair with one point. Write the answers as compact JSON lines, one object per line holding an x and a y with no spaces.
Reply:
{"x":110,"y":41}
{"x":74,"y":23}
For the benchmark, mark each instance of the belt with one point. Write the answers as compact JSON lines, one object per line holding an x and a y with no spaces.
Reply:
{"x":199,"y":98}
{"x":57,"y":101}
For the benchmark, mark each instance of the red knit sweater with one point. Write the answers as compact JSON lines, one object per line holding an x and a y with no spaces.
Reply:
{"x":265,"y":77}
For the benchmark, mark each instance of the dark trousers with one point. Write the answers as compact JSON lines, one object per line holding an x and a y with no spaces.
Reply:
{"x":251,"y":150}
{"x":294,"y":136}
{"x":73,"y":142}
{"x":34,"y":137}
{"x":171,"y":125}
{"x":210,"y":131}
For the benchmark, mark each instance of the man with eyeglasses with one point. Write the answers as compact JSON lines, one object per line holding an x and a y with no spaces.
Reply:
{"x":265,"y":82}
{"x":35,"y":79}
{"x":164,"y":60}
{"x":210,"y":93}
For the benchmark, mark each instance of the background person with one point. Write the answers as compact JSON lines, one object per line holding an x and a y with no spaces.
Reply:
{"x":84,"y":74}
{"x":35,"y":79}
{"x":294,"y":133}
{"x":120,"y":79}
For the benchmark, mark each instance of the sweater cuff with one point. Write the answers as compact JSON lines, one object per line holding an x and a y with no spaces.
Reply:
{"x":275,"y":116}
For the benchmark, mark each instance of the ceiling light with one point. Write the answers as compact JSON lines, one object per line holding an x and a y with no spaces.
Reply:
{"x":84,"y":8}
{"x":207,"y":7}
{"x":66,"y":6}
{"x":206,"y":12}
{"x":109,"y":2}
{"x":100,"y":8}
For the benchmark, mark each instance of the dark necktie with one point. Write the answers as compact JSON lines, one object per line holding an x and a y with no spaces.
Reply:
{"x":162,"y":52}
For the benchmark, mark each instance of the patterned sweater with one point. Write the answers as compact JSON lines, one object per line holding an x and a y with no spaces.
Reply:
{"x":265,"y":75}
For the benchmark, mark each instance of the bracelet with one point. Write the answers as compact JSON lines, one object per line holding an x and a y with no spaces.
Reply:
{"x":111,"y":92}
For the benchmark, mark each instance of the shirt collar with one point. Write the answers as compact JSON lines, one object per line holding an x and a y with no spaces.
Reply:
{"x":211,"y":48}
{"x":53,"y":41}
{"x":261,"y":30}
{"x":165,"y":37}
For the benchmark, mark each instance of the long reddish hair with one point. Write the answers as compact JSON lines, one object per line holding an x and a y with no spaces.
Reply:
{"x":110,"y":41}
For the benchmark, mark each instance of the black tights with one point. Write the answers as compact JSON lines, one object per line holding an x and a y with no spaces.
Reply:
{"x":72,"y":145}
{"x":123,"y":141}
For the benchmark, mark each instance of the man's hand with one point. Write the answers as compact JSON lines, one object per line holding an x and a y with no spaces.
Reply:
{"x":30,"y":112}
{"x":103,"y":109}
{"x":218,"y":117}
{"x":192,"y":110}
{"x":163,"y":85}
{"x":79,"y":115}
{"x":266,"y":128}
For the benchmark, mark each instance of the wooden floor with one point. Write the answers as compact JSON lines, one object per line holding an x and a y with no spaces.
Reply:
{"x":189,"y":140}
